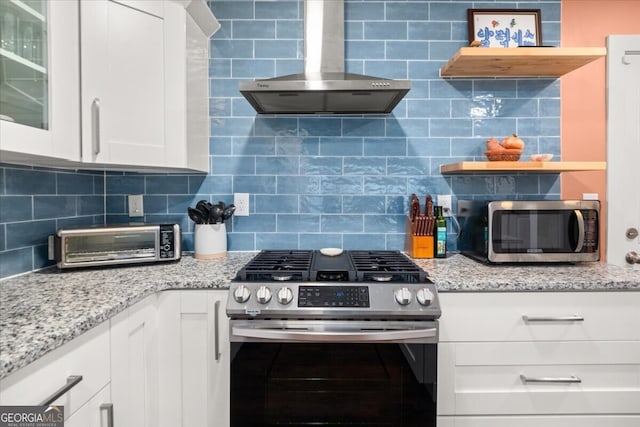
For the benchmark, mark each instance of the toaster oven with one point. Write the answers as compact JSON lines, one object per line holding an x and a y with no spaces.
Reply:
{"x":115,"y":245}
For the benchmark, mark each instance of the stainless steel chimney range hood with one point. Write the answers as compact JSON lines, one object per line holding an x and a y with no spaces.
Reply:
{"x":324,"y":87}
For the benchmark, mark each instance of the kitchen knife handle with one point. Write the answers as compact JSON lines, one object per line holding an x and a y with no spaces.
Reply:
{"x":72,"y":380}
{"x":108,"y":408}
{"x":95,"y":125}
{"x":216,"y":331}
{"x":571,"y":379}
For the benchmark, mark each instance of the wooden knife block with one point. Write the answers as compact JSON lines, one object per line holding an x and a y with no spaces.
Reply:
{"x":417,"y":246}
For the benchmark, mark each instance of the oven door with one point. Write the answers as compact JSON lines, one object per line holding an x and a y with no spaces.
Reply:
{"x":333,"y":373}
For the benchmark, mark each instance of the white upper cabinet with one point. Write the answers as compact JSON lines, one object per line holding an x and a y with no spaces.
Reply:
{"x":189,"y":25}
{"x":124,"y":84}
{"x":39,"y":81}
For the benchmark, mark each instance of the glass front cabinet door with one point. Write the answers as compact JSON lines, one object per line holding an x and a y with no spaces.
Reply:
{"x":39,"y":81}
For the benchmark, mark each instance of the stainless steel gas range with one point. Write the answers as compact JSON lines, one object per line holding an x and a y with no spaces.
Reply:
{"x":333,"y":338}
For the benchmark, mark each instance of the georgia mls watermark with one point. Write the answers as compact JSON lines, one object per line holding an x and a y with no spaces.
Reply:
{"x":31,"y":416}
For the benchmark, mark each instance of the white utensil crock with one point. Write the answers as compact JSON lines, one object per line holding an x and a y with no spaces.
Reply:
{"x":210,"y":241}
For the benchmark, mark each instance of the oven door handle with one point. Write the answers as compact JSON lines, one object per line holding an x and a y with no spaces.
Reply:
{"x":358,"y":335}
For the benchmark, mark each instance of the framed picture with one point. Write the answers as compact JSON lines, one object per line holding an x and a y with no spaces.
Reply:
{"x":504,"y":27}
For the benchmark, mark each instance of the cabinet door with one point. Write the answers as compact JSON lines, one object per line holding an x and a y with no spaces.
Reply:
{"x":134,"y":367}
{"x":123,"y":83}
{"x":94,"y":413}
{"x":39,"y":81}
{"x":220,"y":362}
{"x":575,"y":377}
{"x":194,"y":359}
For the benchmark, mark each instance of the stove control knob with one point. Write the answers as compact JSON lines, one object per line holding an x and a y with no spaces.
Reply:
{"x":263,"y":295}
{"x":424,"y":296}
{"x":285,"y":296}
{"x":403,"y":296}
{"x":241,"y":294}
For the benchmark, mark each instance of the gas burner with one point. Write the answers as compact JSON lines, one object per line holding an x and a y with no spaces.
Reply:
{"x":278,"y":265}
{"x":348,"y":266}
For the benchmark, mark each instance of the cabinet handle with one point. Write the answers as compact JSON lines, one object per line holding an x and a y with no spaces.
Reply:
{"x":108,"y":408}
{"x":572,"y":379}
{"x":216,"y":330}
{"x":71,"y":382}
{"x":574,"y":318}
{"x":95,"y":125}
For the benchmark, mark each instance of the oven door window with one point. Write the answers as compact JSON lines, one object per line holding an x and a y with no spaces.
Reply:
{"x":333,"y":384}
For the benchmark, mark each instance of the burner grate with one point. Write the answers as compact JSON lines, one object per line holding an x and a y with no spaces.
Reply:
{"x":277,"y":265}
{"x":386,"y":266}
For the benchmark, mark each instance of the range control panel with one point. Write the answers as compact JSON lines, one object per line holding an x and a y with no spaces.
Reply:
{"x":333,"y":296}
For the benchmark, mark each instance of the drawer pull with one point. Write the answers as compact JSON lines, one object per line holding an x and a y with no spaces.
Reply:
{"x":572,"y":379}
{"x":71,"y":382}
{"x":216,"y":331}
{"x":108,"y":409}
{"x":574,"y":318}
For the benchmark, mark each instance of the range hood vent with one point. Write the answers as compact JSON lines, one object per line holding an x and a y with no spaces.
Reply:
{"x":324,"y":87}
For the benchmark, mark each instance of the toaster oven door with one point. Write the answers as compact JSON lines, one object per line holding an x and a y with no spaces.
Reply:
{"x":110,"y":246}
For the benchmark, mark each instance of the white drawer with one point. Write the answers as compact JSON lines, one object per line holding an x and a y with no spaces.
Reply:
{"x":86,"y":355}
{"x":539,"y":421}
{"x":598,"y":316}
{"x":487,"y":378}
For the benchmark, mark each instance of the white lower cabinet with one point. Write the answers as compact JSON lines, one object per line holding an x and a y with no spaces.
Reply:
{"x":87,"y":356}
{"x":194,"y":358}
{"x":134,"y":365}
{"x":525,"y":359}
{"x":94,"y":413}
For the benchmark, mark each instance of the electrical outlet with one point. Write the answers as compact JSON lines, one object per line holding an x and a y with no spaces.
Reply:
{"x":444,"y":200}
{"x":135,"y":205}
{"x":241,"y":200}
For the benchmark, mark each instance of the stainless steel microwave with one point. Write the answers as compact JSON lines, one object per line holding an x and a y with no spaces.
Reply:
{"x":115,"y":245}
{"x":530,"y":231}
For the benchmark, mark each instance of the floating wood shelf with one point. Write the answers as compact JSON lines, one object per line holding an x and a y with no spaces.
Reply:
{"x":520,"y":61}
{"x":523,"y":167}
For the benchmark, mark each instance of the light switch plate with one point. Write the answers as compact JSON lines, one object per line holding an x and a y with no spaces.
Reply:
{"x":136,"y":208}
{"x":241,"y":201}
{"x":444,"y":200}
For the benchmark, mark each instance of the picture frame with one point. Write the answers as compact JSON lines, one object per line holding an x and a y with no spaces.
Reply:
{"x":504,"y":27}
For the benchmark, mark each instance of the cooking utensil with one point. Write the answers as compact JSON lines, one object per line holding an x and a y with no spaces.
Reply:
{"x":228,"y":212}
{"x":196,"y":216}
{"x":215,"y":214}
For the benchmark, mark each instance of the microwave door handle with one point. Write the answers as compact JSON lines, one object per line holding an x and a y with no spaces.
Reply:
{"x":580,"y":219}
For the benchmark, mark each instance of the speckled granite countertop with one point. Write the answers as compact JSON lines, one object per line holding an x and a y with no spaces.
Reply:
{"x":41,"y":311}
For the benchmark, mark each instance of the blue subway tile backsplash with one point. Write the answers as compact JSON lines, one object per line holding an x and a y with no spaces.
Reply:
{"x":315,"y":181}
